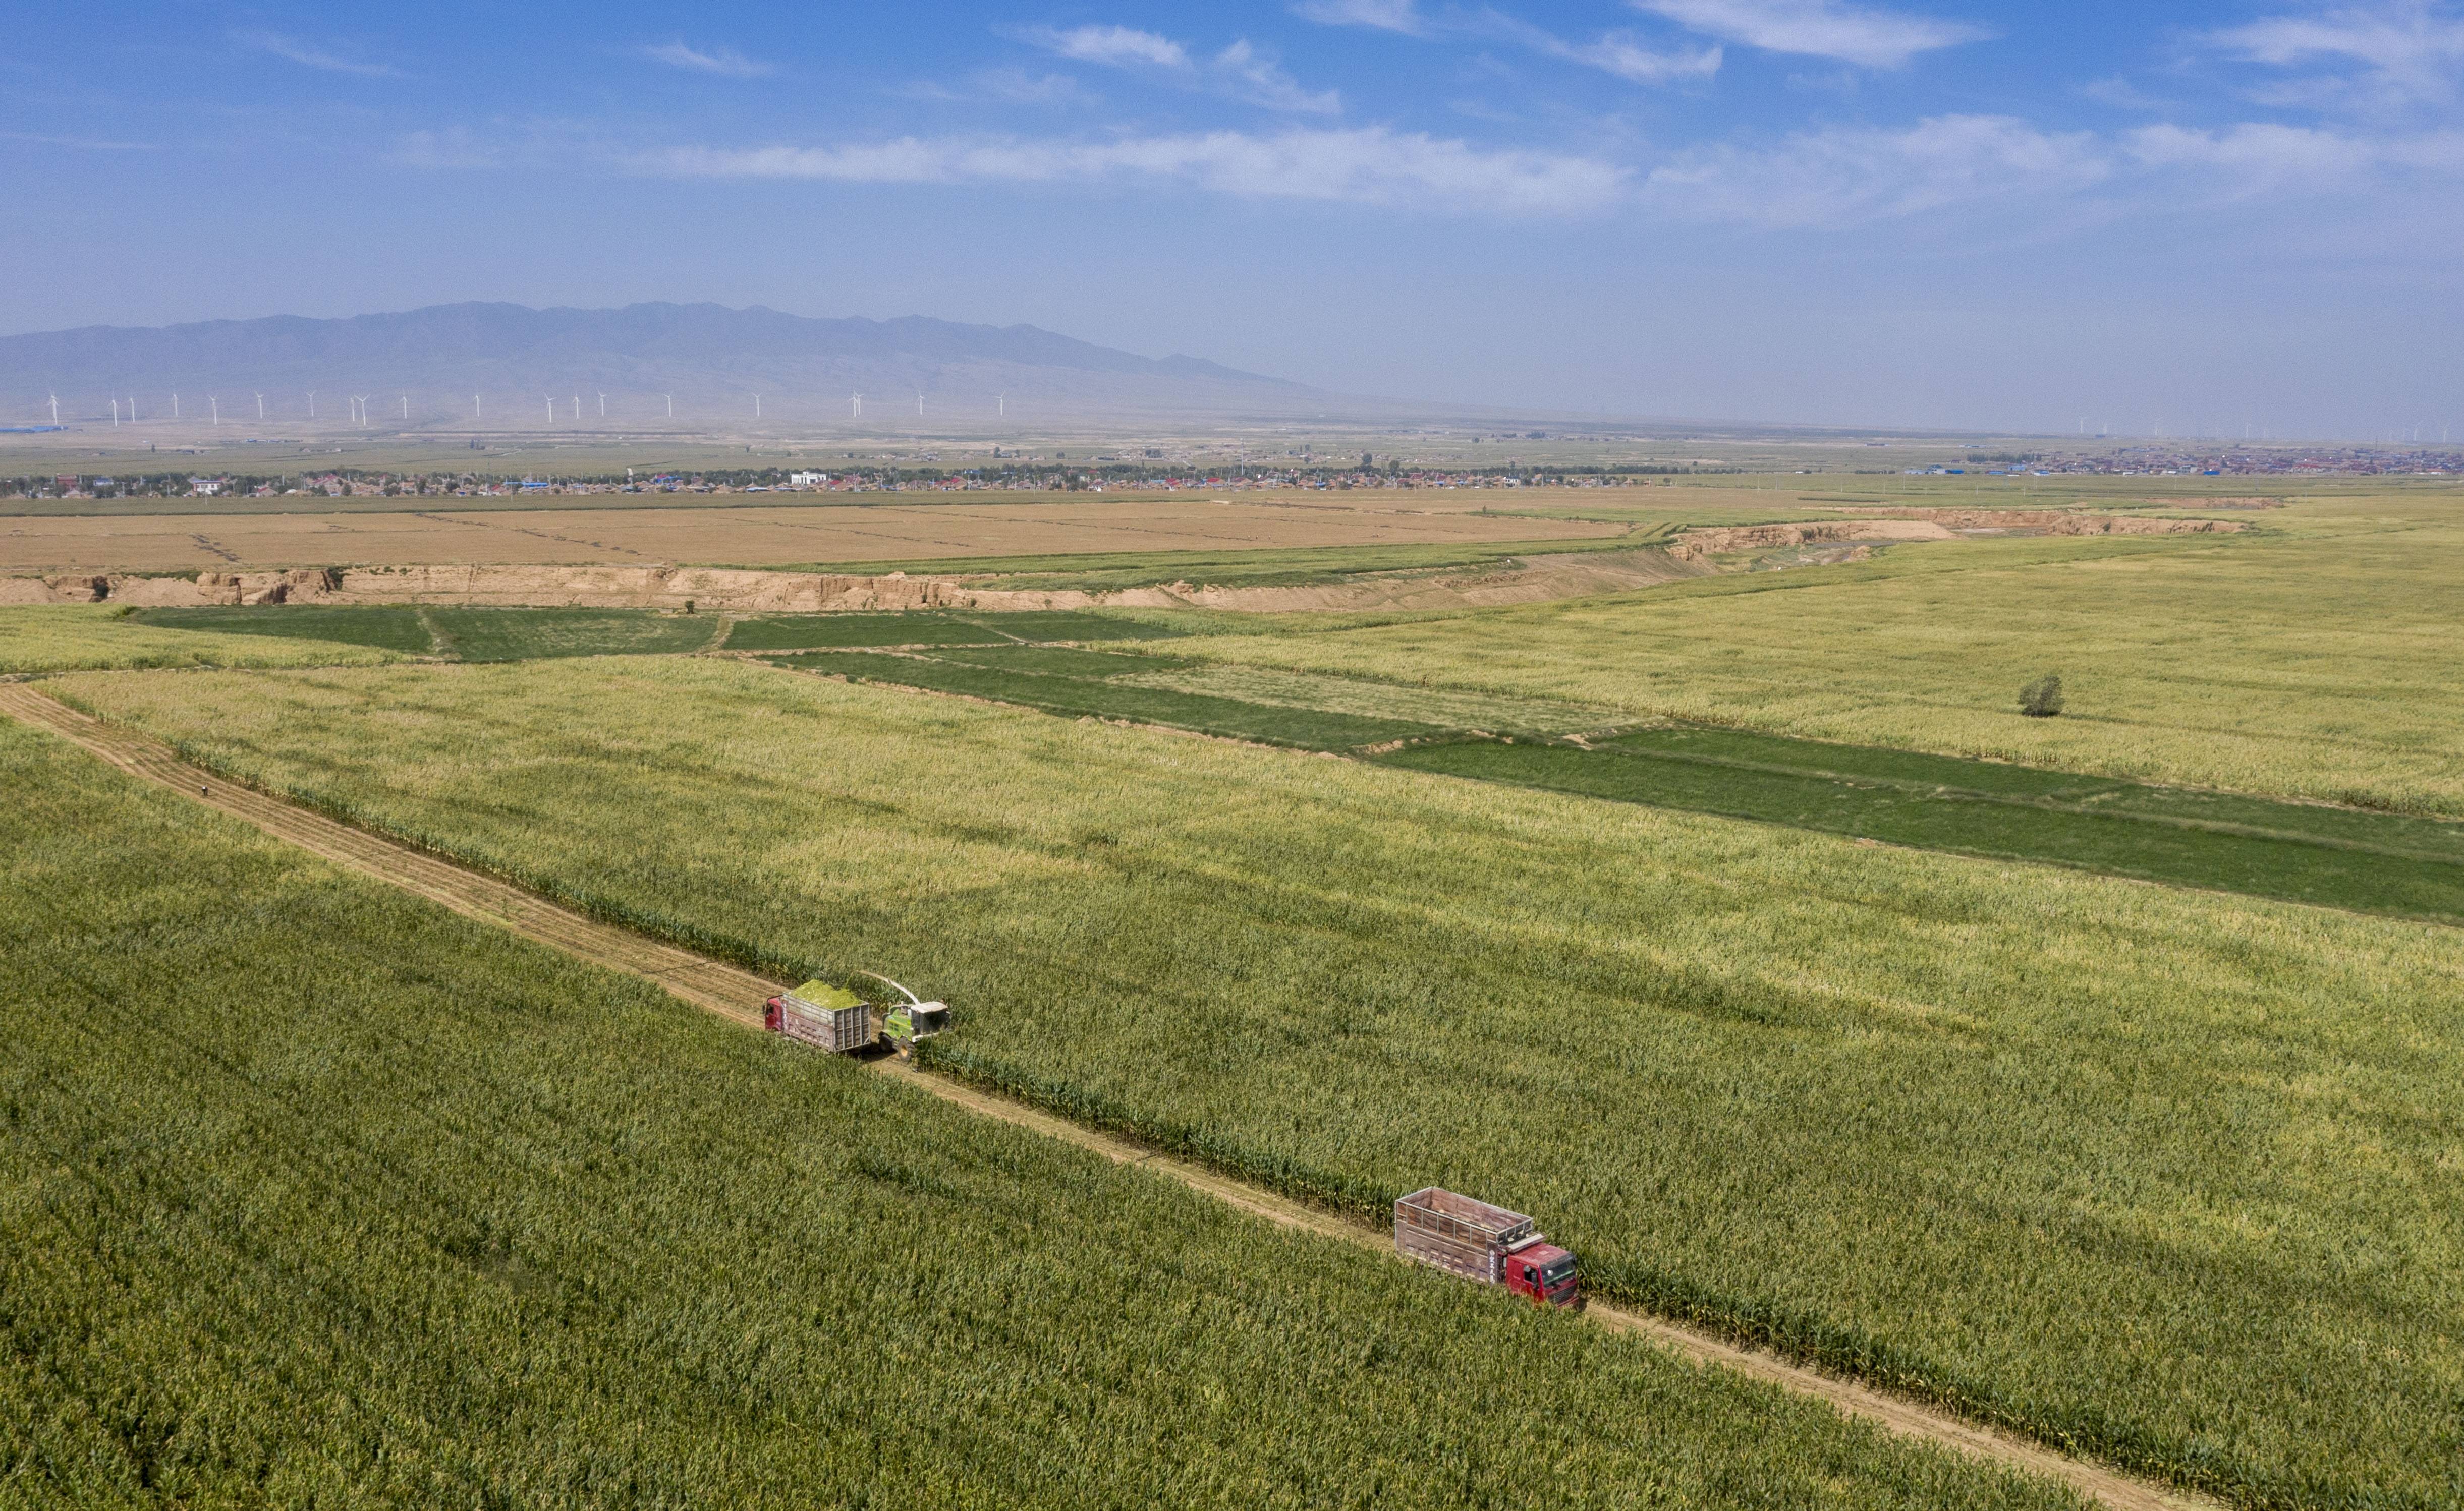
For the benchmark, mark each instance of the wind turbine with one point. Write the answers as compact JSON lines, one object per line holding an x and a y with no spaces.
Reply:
{"x":175,"y":406}
{"x":132,"y":408}
{"x":474,"y":406}
{"x":757,"y":406}
{"x":1002,"y":400}
{"x":405,"y":407}
{"x":260,"y":407}
{"x":602,"y":406}
{"x":312,"y":404}
{"x":577,"y":406}
{"x":217,"y":405}
{"x":115,"y":414}
{"x":672,"y":405}
{"x":56,"y":409}
{"x":551,"y":411}
{"x":919,"y":404}
{"x":364,"y":411}
{"x":855,"y":404}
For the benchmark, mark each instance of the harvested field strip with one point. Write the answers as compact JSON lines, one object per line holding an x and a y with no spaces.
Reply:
{"x":2088,"y":1160}
{"x":726,"y":990}
{"x":1083,"y":697}
{"x":2297,"y":852}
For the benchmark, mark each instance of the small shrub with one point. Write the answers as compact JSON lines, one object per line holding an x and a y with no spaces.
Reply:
{"x":2042,"y":698}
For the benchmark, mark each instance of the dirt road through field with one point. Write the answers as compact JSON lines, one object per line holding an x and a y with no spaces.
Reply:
{"x":737,"y":994}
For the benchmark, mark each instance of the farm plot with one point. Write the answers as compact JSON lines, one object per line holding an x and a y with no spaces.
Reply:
{"x":935,"y":628}
{"x":880,"y":527}
{"x":2300,"y":852}
{"x":513,"y":1230}
{"x":81,"y":637}
{"x":2310,"y":661}
{"x":2089,"y":1159}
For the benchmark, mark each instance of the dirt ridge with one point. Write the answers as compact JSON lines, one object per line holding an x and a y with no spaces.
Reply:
{"x":735,"y":994}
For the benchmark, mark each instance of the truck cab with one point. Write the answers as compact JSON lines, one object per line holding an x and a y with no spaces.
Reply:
{"x":1545,"y":1272}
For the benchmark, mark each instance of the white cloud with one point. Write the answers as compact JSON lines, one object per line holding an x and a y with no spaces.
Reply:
{"x":1817,"y":28}
{"x":2411,"y":48}
{"x":1006,"y":86}
{"x":724,"y":61}
{"x":1616,"y":53}
{"x":1113,"y":46}
{"x":1844,"y":176}
{"x":309,"y":56}
{"x":2257,"y":155}
{"x":1241,"y":71}
{"x":1383,"y":15}
{"x":1372,"y":165}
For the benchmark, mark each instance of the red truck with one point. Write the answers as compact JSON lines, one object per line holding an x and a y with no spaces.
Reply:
{"x":1484,"y":1244}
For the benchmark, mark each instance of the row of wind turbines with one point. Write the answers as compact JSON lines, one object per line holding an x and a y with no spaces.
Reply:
{"x":360,"y":414}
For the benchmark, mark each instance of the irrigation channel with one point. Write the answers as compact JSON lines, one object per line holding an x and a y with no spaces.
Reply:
{"x":737,"y":995}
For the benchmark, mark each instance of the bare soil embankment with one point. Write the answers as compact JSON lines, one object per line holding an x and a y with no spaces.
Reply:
{"x":707,"y":589}
{"x":1523,"y":580}
{"x":1931,"y":524}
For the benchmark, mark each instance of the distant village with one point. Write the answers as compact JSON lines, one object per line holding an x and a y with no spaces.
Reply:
{"x":1117,"y":473}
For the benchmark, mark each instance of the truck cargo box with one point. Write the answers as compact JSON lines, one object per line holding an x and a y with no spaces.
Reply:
{"x":1457,"y":1232}
{"x":822,"y":1016}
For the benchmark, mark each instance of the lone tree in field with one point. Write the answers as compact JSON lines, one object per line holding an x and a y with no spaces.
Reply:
{"x":2042,"y":698}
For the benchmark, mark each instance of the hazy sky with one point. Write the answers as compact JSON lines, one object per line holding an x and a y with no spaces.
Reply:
{"x":1970,"y":212}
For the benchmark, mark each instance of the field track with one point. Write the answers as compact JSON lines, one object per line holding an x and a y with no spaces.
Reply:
{"x":736,"y":994}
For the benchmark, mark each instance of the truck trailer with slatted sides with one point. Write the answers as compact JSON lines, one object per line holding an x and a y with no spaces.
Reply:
{"x":1484,"y":1244}
{"x":834,"y":1018}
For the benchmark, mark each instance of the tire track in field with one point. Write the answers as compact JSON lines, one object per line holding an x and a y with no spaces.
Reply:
{"x":735,"y":994}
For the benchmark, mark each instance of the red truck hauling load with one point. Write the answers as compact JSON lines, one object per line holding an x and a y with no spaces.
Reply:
{"x":834,"y":1018}
{"x":1484,"y":1244}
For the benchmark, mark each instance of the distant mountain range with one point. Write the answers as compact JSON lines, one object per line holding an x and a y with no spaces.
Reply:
{"x":711,"y":357}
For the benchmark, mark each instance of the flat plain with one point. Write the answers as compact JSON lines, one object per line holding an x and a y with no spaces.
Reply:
{"x":860,"y":529}
{"x":2084,"y":1157}
{"x":2312,"y":659}
{"x":516,"y":1230}
{"x":2161,"y":1177}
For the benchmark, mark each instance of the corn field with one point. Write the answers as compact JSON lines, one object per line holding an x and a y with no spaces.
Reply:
{"x":312,"y":1194}
{"x":2166,"y":1177}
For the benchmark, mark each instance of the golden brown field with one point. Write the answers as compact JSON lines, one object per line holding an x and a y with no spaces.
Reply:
{"x":775,"y":536}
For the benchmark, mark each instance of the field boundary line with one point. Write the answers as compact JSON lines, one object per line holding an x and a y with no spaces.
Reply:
{"x":735,"y":994}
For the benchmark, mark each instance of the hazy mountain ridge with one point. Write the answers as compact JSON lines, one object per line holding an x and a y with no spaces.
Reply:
{"x":701,"y":350}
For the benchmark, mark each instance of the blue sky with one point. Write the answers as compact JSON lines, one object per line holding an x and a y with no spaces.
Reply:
{"x":1959,"y":212}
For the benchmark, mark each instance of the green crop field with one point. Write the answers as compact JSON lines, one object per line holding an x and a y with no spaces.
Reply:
{"x":76,"y":637}
{"x":2314,"y":659}
{"x":1232,"y":718}
{"x":2161,"y":1175}
{"x":387,"y":628}
{"x":933,"y":627}
{"x":2301,"y":852}
{"x":312,"y":1193}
